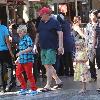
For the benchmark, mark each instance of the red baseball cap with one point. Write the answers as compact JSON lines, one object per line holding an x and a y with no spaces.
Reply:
{"x":44,"y":10}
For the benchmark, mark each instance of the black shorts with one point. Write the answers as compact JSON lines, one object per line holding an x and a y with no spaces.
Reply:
{"x":5,"y":57}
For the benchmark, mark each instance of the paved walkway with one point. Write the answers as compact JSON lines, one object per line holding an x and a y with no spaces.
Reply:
{"x":69,"y":92}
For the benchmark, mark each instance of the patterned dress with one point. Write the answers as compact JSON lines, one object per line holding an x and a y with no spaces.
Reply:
{"x":81,"y":72}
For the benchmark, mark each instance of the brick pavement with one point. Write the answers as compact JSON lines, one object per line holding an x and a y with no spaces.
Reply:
{"x":69,"y":92}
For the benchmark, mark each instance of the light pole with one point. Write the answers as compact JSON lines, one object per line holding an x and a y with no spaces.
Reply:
{"x":76,"y":10}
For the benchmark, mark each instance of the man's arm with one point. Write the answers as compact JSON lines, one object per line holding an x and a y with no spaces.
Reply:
{"x":36,"y":39}
{"x":35,"y":44}
{"x":94,"y":40}
{"x":9,"y":46}
{"x":60,"y":37}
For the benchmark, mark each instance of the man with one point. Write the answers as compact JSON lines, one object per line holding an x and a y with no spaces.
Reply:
{"x":5,"y":56}
{"x":97,"y":42}
{"x":67,"y":67}
{"x":90,"y":31}
{"x":48,"y":30}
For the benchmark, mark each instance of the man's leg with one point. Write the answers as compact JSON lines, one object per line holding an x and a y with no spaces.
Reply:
{"x":71,"y":64}
{"x":49,"y":76}
{"x":10,"y":80}
{"x":98,"y":57}
{"x":66,"y":63}
{"x":4,"y":60}
{"x":3,"y":76}
{"x":93,"y":69}
{"x":51,"y":73}
{"x":59,"y":66}
{"x":54,"y":75}
{"x":48,"y":58}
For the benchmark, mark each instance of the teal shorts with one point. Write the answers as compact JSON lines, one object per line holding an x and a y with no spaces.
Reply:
{"x":48,"y":56}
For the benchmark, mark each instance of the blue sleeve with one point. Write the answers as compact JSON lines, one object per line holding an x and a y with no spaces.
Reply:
{"x":58,"y":26}
{"x":67,"y":27}
{"x":6,"y":32}
{"x":29,"y":42}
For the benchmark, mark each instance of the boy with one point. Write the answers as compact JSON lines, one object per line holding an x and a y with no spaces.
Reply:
{"x":25,"y":61}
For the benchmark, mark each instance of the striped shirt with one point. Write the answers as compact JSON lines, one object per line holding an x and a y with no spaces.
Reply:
{"x":24,"y":43}
{"x":98,"y":35}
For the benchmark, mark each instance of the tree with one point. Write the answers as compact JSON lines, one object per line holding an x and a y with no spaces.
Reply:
{"x":40,"y":4}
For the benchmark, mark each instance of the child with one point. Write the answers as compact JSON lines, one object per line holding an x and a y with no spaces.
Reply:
{"x":81,"y":69}
{"x":25,"y":61}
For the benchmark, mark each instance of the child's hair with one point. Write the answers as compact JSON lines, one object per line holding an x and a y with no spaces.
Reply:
{"x":93,"y":12}
{"x":22,"y":28}
{"x":76,"y":19}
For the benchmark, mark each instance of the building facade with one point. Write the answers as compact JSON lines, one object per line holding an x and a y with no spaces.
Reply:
{"x":95,"y":4}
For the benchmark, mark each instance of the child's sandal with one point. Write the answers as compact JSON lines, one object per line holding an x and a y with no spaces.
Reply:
{"x":82,"y":91}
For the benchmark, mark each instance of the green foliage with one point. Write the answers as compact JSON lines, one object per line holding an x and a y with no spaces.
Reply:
{"x":36,"y":5}
{"x":48,"y":1}
{"x":39,"y":5}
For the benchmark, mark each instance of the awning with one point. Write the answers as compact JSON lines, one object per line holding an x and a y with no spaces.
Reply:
{"x":37,"y":0}
{"x":63,"y":1}
{"x":15,"y":2}
{"x":3,"y":1}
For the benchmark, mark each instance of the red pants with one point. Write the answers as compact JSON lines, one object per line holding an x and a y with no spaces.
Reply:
{"x":28,"y":69}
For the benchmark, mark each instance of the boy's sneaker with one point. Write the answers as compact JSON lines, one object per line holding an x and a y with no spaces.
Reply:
{"x":33,"y":92}
{"x":23,"y":91}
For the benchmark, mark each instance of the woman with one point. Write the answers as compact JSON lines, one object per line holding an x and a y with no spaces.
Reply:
{"x":90,"y":30}
{"x":81,"y":70}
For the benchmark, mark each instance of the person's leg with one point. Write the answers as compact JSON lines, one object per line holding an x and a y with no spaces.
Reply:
{"x":98,"y":57}
{"x":48,"y":73}
{"x":3,"y":76}
{"x":93,"y":69}
{"x":66,"y":63}
{"x":54,"y":75}
{"x":71,"y":64}
{"x":51,"y":73}
{"x":4,"y":63}
{"x":69,"y":71}
{"x":49,"y":61}
{"x":48,"y":58}
{"x":61,"y":66}
{"x":25,"y":76}
{"x":49,"y":76}
{"x":36,"y":67}
{"x":11,"y":79}
{"x":57,"y":65}
{"x":41,"y":67}
{"x":84,"y":86}
{"x":83,"y":90}
{"x":28,"y":70}
{"x":20,"y":77}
